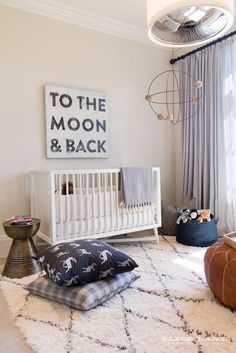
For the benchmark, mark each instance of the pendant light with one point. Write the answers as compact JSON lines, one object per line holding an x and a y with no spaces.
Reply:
{"x":188,"y":23}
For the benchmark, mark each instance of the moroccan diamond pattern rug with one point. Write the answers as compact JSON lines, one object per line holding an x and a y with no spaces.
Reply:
{"x":169,"y":309}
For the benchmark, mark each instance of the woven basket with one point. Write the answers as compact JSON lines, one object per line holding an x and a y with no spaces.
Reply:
{"x":197,"y":234}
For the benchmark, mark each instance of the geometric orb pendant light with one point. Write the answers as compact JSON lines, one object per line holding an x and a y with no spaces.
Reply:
{"x":169,"y":103}
{"x":186,"y":23}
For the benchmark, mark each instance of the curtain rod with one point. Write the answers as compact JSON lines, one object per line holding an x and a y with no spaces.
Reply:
{"x":221,"y":39}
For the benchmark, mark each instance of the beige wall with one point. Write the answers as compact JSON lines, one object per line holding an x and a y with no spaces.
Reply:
{"x":36,"y":51}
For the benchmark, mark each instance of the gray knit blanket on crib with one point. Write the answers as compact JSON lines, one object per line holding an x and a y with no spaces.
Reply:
{"x":136,"y":186}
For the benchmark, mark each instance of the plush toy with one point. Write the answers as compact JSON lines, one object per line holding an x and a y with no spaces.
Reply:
{"x":193,"y":214}
{"x":204,"y":215}
{"x":184,"y":216}
{"x":67,"y":189}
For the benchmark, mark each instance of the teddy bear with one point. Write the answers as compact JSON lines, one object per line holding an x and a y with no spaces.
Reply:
{"x":67,"y":189}
{"x":184,"y":216}
{"x":204,"y":215}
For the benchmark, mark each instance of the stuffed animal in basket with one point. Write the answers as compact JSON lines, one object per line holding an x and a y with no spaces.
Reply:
{"x":193,"y":214}
{"x":184,"y":216}
{"x":204,"y":215}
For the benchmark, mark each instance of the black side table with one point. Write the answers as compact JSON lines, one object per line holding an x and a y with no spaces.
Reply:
{"x":19,"y":261}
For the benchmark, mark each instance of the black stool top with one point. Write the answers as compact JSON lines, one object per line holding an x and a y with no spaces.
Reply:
{"x":22,"y":231}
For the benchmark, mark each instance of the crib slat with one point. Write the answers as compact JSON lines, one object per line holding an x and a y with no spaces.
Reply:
{"x":88,"y":203}
{"x":67,"y":206}
{"x":93,"y":206}
{"x":117,"y":201}
{"x":134,"y":211}
{"x":74,"y":205}
{"x":111,"y":201}
{"x":105,"y":197}
{"x":130,"y":211}
{"x":53,"y":207}
{"x":138,"y":217}
{"x":99,"y":204}
{"x":154,"y":188}
{"x":143,"y":212}
{"x":60,"y":203}
{"x":123,"y":209}
{"x":158,"y":195}
{"x":78,"y":210}
{"x":81,"y":201}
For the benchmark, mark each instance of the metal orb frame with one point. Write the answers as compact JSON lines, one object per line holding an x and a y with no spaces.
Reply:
{"x":174,"y":119}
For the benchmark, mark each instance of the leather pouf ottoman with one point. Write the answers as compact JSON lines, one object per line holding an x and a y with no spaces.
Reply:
{"x":220,"y":271}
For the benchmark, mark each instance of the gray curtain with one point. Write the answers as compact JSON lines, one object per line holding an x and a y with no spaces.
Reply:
{"x":209,"y":137}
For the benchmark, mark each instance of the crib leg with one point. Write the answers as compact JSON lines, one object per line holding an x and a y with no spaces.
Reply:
{"x":156,"y":234}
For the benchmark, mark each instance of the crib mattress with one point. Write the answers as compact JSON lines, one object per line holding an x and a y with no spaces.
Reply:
{"x":98,"y":225}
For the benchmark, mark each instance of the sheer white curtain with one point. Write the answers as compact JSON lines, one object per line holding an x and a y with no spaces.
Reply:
{"x":209,"y":138}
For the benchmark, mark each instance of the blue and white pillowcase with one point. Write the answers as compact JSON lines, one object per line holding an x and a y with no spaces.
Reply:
{"x":84,"y":297}
{"x":83,"y":261}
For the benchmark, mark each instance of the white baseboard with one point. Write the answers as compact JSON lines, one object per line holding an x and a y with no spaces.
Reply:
{"x":5,"y":244}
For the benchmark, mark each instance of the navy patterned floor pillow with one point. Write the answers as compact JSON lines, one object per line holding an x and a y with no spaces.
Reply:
{"x":83,"y":261}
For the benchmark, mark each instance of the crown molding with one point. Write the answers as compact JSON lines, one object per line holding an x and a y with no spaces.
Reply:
{"x":73,"y":15}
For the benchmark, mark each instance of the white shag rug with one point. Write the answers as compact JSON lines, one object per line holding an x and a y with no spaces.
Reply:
{"x":169,"y":309}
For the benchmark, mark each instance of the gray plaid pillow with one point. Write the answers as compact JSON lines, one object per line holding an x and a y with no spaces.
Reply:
{"x":83,"y":297}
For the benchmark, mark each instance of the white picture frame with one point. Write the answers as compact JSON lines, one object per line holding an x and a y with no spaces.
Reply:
{"x":76,"y":123}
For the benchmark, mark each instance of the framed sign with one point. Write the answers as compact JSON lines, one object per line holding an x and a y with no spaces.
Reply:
{"x":76,"y":123}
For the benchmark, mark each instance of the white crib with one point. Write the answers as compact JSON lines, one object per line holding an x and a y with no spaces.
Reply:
{"x":90,"y":207}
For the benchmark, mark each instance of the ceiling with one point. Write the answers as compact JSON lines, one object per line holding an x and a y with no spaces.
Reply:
{"x":122,"y":18}
{"x":132,"y":12}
